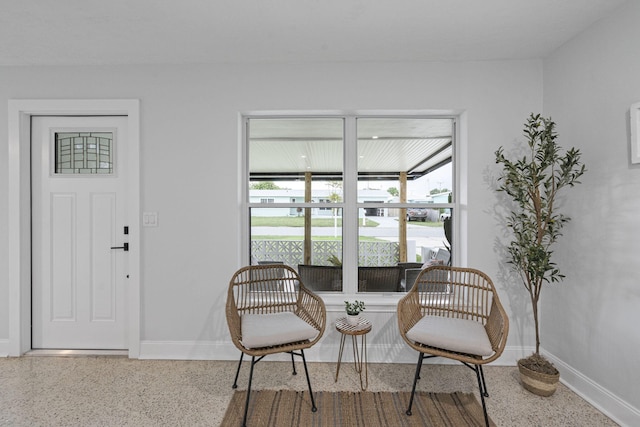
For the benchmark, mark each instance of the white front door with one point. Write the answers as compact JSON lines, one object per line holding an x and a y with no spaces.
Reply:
{"x":79,"y":265}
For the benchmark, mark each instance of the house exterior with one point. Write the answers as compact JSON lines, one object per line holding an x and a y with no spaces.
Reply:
{"x":321,"y":197}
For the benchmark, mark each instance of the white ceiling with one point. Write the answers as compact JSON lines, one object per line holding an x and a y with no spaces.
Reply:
{"x":77,"y":32}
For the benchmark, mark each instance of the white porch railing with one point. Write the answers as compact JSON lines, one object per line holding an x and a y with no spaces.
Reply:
{"x":371,"y":254}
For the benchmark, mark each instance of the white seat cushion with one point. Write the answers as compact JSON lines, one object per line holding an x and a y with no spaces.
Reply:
{"x":266,"y":330}
{"x":459,"y":335}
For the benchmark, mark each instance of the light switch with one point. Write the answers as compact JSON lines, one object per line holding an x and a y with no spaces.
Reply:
{"x":150,"y":219}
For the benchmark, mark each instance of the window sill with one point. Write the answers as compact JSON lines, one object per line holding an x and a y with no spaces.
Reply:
{"x":374,"y":302}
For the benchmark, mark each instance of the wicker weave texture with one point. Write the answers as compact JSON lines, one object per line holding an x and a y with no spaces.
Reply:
{"x":273,"y":288}
{"x":455,"y":292}
{"x":378,"y":279}
{"x":321,"y":277}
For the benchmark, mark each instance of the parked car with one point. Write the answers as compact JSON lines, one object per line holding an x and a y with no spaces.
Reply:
{"x":414,"y":214}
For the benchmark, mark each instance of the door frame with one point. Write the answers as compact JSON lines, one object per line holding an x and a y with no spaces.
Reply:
{"x":19,"y":207}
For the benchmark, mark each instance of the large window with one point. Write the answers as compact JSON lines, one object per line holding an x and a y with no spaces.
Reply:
{"x":355,"y":204}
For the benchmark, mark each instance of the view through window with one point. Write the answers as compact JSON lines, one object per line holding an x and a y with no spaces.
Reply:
{"x":388,"y":179}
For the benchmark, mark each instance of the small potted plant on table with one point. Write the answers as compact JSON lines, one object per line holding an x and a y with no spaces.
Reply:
{"x":353,"y":311}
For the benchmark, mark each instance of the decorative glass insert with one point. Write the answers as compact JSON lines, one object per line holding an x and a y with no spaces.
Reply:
{"x":83,"y":153}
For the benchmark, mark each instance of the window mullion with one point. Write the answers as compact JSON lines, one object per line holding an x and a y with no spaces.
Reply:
{"x":245,"y":233}
{"x":350,"y":214}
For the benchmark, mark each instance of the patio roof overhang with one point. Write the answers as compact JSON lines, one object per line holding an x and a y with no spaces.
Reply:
{"x":287,"y":149}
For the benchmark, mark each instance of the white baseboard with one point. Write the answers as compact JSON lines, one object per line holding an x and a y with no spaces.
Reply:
{"x":4,"y":348}
{"x":606,"y":402}
{"x":188,"y":350}
{"x":323,"y":352}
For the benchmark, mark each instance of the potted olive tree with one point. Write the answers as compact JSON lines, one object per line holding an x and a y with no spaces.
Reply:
{"x":533,"y":181}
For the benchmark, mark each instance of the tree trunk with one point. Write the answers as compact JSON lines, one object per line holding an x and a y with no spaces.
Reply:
{"x":535,"y":295}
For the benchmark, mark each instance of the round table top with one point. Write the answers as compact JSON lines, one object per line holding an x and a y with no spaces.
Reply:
{"x":363,"y":326}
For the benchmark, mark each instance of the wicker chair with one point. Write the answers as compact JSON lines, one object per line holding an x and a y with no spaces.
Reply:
{"x":270,"y":311}
{"x":454,"y":313}
{"x":379,"y":279}
{"x":321,"y":277}
{"x":410,"y":270}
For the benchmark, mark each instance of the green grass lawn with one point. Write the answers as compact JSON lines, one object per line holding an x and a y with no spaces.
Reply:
{"x":315,"y":238}
{"x":426,"y":223}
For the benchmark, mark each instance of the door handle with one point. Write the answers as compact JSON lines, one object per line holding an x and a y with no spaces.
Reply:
{"x":124,"y":246}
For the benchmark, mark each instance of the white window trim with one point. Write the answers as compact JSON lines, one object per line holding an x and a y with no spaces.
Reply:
{"x":634,"y":125}
{"x":375,"y":302}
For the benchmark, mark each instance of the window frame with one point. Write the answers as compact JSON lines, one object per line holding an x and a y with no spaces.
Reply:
{"x":349,"y":204}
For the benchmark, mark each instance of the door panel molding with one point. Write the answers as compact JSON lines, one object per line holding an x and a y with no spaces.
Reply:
{"x":63,"y":305}
{"x":19,"y":208}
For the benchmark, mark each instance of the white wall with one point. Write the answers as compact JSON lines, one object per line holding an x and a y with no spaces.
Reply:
{"x":189,"y":156}
{"x":590,"y":322}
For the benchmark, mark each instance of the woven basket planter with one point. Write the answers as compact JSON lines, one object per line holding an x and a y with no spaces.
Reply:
{"x":537,"y":382}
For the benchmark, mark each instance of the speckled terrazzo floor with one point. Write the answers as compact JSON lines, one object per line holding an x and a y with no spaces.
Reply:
{"x":116,"y":391}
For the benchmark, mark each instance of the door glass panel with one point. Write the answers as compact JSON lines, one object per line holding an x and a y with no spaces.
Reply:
{"x":83,"y":153}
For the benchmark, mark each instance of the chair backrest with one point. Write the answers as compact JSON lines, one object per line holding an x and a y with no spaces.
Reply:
{"x":263,"y":289}
{"x":404,"y":266}
{"x":379,"y":279}
{"x":269,"y":262}
{"x":271,"y":273}
{"x":410,"y":276}
{"x":321,"y":277}
{"x":443,"y":255}
{"x":456,"y":292}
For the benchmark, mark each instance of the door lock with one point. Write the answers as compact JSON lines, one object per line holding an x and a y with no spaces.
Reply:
{"x":125,"y":247}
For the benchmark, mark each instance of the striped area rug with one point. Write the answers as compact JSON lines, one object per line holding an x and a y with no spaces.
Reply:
{"x":347,"y":409}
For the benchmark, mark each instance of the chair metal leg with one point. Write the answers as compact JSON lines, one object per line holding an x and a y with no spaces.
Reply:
{"x":293,"y":363}
{"x":253,"y":363}
{"x":235,"y":381}
{"x":306,"y":371}
{"x":415,"y":381}
{"x":480,"y":378}
{"x":246,"y":403}
{"x":484,"y":383}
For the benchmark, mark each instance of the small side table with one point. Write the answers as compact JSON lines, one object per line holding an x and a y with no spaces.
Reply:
{"x":359,"y":354}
